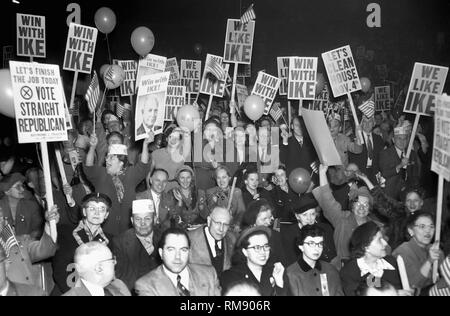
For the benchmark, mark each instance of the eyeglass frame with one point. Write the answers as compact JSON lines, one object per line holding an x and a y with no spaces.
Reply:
{"x":315,"y":244}
{"x":258,"y":248}
{"x":224,"y":225}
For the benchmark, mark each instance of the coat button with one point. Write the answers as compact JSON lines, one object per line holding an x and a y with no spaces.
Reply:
{"x":317,"y":290}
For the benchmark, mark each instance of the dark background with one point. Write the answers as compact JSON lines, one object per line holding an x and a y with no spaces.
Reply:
{"x":409,"y":33}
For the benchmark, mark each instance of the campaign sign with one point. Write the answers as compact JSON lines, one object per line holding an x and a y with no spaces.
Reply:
{"x":151,"y":104}
{"x":382,"y":98}
{"x":441,"y":151}
{"x":427,"y":83}
{"x":172,"y":67}
{"x":80,"y":48}
{"x":341,"y":70}
{"x":128,"y":87}
{"x":283,"y":74}
{"x":150,"y":65}
{"x":191,"y":75}
{"x":211,"y":85}
{"x":38,"y":102}
{"x":266,"y":86}
{"x":176,"y":98}
{"x":302,"y":78}
{"x":239,"y":42}
{"x":31,"y":36}
{"x":242,"y":94}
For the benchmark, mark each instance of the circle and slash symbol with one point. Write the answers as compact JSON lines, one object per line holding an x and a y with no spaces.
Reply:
{"x":26,"y":92}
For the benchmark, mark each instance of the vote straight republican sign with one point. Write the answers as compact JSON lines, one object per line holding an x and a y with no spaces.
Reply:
{"x":31,"y":36}
{"x":239,"y":42}
{"x":341,"y":70}
{"x":80,"y":48}
{"x":427,"y":84}
{"x":38,"y":102}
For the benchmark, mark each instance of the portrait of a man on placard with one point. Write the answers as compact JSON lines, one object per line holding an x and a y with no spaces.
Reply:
{"x":147,"y":114}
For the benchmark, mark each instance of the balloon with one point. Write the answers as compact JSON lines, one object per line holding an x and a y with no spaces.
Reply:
{"x":198,"y":49}
{"x":365,"y":84}
{"x":142,"y":40}
{"x":320,"y":83}
{"x":300,"y":180}
{"x":188,"y":117}
{"x":113,"y":77}
{"x":105,"y":20}
{"x":6,"y":94}
{"x":103,"y":70}
{"x":254,"y":107}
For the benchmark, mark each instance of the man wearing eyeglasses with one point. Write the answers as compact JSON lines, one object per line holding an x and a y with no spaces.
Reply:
{"x":175,"y":277}
{"x":95,"y":263}
{"x":213,"y":243}
{"x":310,"y":276}
{"x":95,"y":208}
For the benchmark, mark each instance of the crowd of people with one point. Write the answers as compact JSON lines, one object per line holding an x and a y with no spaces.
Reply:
{"x":151,"y":219}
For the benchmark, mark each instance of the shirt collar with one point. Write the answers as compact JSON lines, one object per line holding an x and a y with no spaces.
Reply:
{"x":306,"y":267}
{"x":399,"y":152}
{"x":94,"y":289}
{"x":377,"y":270}
{"x":212,"y":241}
{"x":173,"y":277}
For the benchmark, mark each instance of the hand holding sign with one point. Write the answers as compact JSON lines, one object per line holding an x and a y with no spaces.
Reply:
{"x":6,"y":94}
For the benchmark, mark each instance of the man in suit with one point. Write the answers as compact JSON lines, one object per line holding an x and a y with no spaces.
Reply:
{"x":175,"y":277}
{"x":396,"y":168}
{"x":165,"y":208}
{"x":135,"y":249}
{"x":368,"y":161}
{"x":149,"y":115}
{"x":213,"y":243}
{"x":94,"y":264}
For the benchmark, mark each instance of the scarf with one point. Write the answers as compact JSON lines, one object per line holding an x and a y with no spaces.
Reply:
{"x":91,"y":236}
{"x":120,"y":190}
{"x":376,"y":271}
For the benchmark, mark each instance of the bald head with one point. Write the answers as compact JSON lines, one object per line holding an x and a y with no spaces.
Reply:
{"x":219,"y":222}
{"x":95,"y":263}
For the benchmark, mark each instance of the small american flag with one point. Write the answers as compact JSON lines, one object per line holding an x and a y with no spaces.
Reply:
{"x":315,"y":167}
{"x":7,"y":239}
{"x":368,"y":107}
{"x":93,"y":93}
{"x":120,"y":110}
{"x":249,"y":15}
{"x":276,"y":112}
{"x":214,"y":68}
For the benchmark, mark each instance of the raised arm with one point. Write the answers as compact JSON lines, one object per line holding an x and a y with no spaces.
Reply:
{"x":145,"y":154}
{"x":90,"y":158}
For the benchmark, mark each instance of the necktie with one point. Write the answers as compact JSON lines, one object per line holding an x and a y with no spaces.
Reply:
{"x":157,"y":201}
{"x":403,"y":171}
{"x":369,"y":148}
{"x":182,"y":291}
{"x":219,"y":252}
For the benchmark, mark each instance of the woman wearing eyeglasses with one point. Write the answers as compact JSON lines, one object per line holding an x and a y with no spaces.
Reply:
{"x":420,"y":253}
{"x":251,"y":263}
{"x":310,"y":276}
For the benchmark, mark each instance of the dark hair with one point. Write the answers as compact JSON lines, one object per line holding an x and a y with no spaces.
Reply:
{"x":309,"y":231}
{"x":362,"y":237}
{"x":122,"y":139}
{"x":418,"y":190}
{"x":173,"y":231}
{"x":251,"y":169}
{"x":98,"y":198}
{"x":412,"y":219}
{"x":245,"y":242}
{"x":253,"y":210}
{"x":81,"y":125}
{"x":222,"y":167}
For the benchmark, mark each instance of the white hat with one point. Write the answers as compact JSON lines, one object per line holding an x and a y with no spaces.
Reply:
{"x":143,"y":207}
{"x":117,"y":149}
{"x":402,"y":130}
{"x":127,"y":106}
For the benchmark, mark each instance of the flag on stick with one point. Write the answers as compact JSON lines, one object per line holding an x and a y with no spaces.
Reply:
{"x":214,"y":68}
{"x":276,"y":112}
{"x":93,"y":93}
{"x":7,"y":239}
{"x":368,"y":107}
{"x":249,"y":15}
